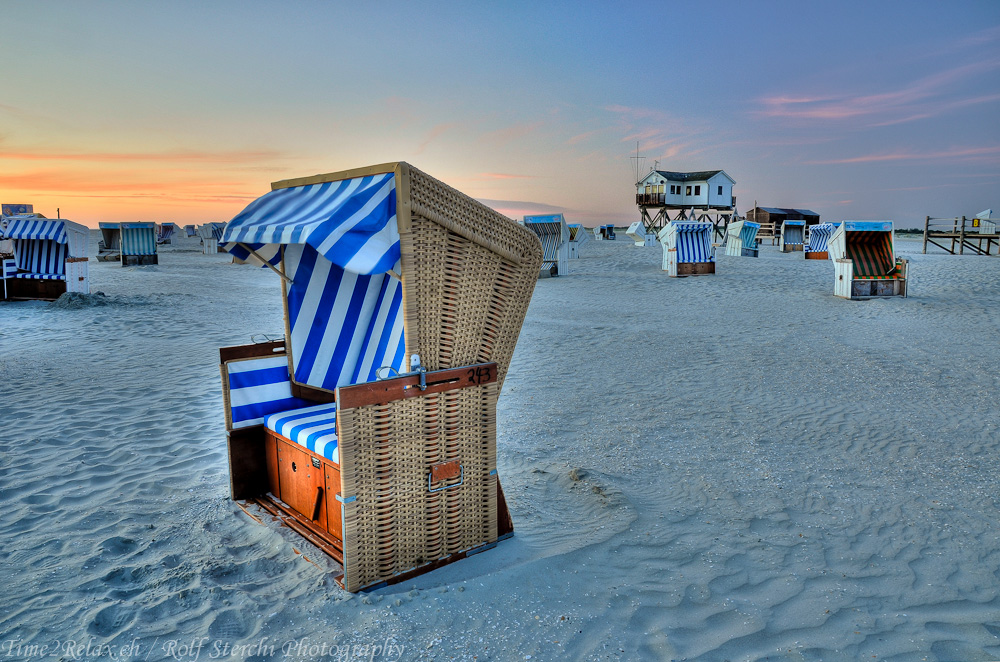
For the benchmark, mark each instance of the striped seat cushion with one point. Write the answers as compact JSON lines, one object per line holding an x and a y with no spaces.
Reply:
{"x":41,"y":276}
{"x":258,"y":388}
{"x":312,"y":427}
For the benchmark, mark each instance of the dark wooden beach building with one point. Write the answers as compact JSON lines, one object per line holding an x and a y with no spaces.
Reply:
{"x":771,"y":218}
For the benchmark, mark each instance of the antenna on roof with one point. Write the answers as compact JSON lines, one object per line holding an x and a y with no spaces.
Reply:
{"x":638,"y":159}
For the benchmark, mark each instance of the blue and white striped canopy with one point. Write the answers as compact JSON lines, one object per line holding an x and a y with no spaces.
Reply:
{"x":37,"y":228}
{"x":352,"y":223}
{"x":336,"y":243}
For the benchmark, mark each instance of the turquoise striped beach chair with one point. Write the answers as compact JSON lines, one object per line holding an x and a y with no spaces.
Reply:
{"x":370,"y":428}
{"x":138,"y":244}
{"x":741,"y":239}
{"x":792,"y":237}
{"x":687,"y":248}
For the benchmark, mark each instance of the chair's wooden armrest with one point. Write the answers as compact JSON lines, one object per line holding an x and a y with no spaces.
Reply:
{"x":402,"y":388}
{"x":252,"y":351}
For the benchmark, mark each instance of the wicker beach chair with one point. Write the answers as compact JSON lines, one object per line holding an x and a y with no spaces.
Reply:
{"x":687,"y":248}
{"x":865,"y":264}
{"x":819,"y":239}
{"x":741,"y":239}
{"x":138,"y":244}
{"x":371,"y":427}
{"x":48,"y":258}
{"x":164,"y":232}
{"x":578,"y":236}
{"x":792,"y":237}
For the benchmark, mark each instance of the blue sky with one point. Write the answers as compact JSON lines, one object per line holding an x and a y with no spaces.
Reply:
{"x":185,"y":111}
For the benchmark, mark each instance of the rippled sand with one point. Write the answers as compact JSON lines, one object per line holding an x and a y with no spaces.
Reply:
{"x":727,"y":467}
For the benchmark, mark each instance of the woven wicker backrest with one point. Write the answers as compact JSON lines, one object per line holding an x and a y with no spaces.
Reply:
{"x":468,"y":275}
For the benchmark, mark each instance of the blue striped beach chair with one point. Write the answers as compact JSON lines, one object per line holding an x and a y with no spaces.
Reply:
{"x":687,"y":248}
{"x":370,"y":428}
{"x":138,"y":244}
{"x":164,"y":232}
{"x":49,"y":258}
{"x":819,"y":238}
{"x":741,"y":239}
{"x":551,"y":230}
{"x":865,"y":262}
{"x":792,"y":237}
{"x":578,"y":236}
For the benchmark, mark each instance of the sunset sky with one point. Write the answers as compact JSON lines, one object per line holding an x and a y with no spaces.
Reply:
{"x":186,"y":111}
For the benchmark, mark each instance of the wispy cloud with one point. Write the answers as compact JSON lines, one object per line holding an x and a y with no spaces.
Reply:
{"x":655,"y":131}
{"x":920,"y":99}
{"x":504,"y":175}
{"x":435,"y":133}
{"x":957,"y":153}
{"x":512,"y":133}
{"x":167,"y":156}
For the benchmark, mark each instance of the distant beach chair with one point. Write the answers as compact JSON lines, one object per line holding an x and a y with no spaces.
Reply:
{"x":109,"y":247}
{"x":819,"y":239}
{"x":210,"y":234}
{"x":138,"y":244}
{"x":397,"y":476}
{"x":608,"y":232}
{"x":637,"y":232}
{"x":687,"y":248}
{"x":190,"y":230}
{"x":792,"y":236}
{"x":865,"y":264}
{"x":551,"y":230}
{"x":164,"y":231}
{"x":741,"y":239}
{"x":49,"y":258}
{"x":578,"y":236}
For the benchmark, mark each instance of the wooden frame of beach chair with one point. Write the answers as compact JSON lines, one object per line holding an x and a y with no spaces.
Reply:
{"x":138,"y":244}
{"x":816,"y":248}
{"x":578,"y":236}
{"x":741,"y":239}
{"x":49,"y":257}
{"x":396,"y":476}
{"x":865,"y":264}
{"x":109,"y":247}
{"x":792,"y":237}
{"x":687,"y":248}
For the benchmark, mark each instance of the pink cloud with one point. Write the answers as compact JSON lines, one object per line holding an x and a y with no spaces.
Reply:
{"x":918,"y":100}
{"x":959,"y":153}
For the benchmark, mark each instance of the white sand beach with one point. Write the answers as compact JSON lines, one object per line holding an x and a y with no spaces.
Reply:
{"x":729,"y":467}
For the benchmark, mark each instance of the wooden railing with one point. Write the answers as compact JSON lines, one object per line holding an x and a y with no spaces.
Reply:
{"x":962,"y":233}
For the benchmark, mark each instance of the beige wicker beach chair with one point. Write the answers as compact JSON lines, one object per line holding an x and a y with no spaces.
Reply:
{"x":394,"y":476}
